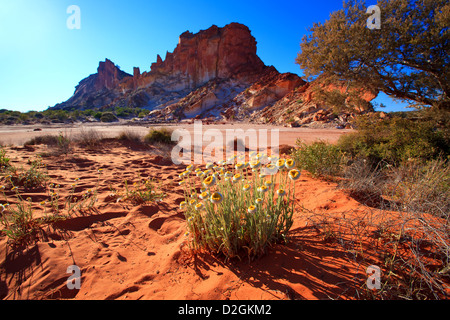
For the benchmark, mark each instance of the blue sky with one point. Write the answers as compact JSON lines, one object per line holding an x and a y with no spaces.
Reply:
{"x":41,"y":60}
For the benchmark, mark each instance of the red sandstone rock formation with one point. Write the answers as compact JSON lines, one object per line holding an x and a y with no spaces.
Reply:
{"x":214,"y":73}
{"x":215,"y":53}
{"x":108,"y":76}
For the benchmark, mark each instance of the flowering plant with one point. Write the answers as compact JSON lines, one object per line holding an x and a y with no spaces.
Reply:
{"x":240,"y":207}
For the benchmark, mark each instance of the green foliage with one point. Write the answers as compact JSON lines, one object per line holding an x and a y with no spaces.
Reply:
{"x":18,"y":222}
{"x":108,"y":117}
{"x":142,"y":114}
{"x":121,"y":112}
{"x":407,"y":58}
{"x":68,"y":115}
{"x":319,"y":158}
{"x":57,"y":115}
{"x":4,"y":160}
{"x":32,"y":178}
{"x":141,"y":191}
{"x":162,"y":135}
{"x":97,"y":115}
{"x":394,"y":140}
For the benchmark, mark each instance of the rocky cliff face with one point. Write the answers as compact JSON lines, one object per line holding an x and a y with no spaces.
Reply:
{"x":214,"y":74}
{"x":98,"y":89}
{"x":300,"y":106}
{"x":215,"y":53}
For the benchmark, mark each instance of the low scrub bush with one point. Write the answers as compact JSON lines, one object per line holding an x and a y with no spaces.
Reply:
{"x":89,"y":138}
{"x":129,"y":135}
{"x":141,"y":191}
{"x":48,"y":139}
{"x":319,"y":158}
{"x":399,"y":166}
{"x":32,"y":178}
{"x":60,"y":144}
{"x":161,"y":135}
{"x":420,"y":187}
{"x":394,"y":140}
{"x":108,"y":117}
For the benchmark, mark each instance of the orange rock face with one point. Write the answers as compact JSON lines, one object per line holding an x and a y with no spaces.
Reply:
{"x":213,"y":74}
{"x":108,"y":75}
{"x":272,"y":87}
{"x":224,"y":53}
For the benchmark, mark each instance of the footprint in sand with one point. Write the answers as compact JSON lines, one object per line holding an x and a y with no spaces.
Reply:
{"x":146,"y":210}
{"x":157,"y":223}
{"x":166,"y":225}
{"x":117,"y":295}
{"x":145,"y":278}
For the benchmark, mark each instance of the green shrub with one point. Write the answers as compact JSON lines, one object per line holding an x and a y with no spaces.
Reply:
{"x":98,"y":115}
{"x":142,"y":114}
{"x":319,"y":158}
{"x":162,"y":135}
{"x":63,"y":145}
{"x":142,"y":191}
{"x":394,"y":140}
{"x":108,"y":117}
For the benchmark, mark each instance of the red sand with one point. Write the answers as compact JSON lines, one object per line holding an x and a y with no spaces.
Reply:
{"x":128,"y":251}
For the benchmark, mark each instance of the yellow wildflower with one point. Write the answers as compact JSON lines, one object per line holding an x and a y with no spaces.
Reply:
{"x":251,"y":209}
{"x":204,"y":195}
{"x":216,"y":197}
{"x":268,"y":183}
{"x":280,"y":163}
{"x":209,"y":181}
{"x":263,"y":189}
{"x":294,"y":174}
{"x":289,"y":163}
{"x":255,"y":164}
